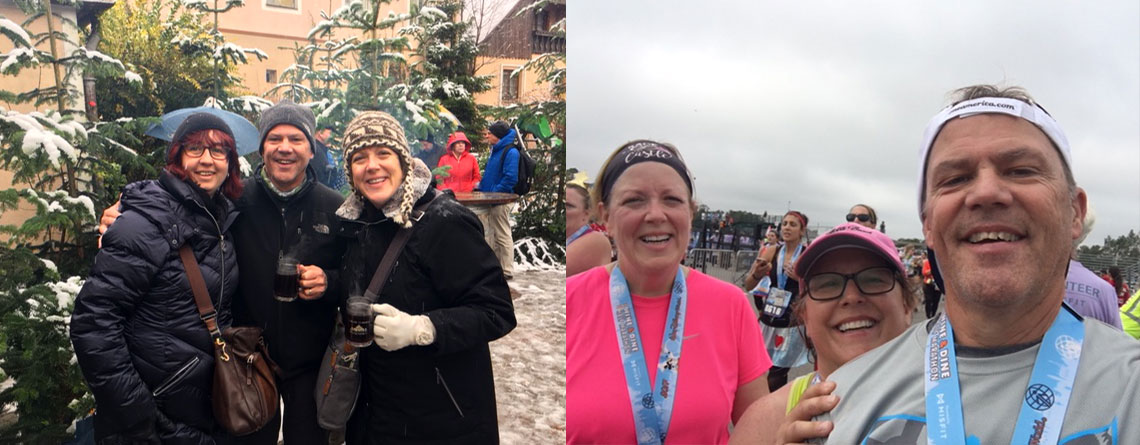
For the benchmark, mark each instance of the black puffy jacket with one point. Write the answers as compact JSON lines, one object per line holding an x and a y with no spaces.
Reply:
{"x":137,"y":334}
{"x":303,"y":226}
{"x":443,"y":392}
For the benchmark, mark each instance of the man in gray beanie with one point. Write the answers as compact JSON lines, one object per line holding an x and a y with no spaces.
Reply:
{"x":285,"y":211}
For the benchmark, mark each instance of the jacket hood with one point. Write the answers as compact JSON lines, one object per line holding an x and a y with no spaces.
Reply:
{"x":457,"y":137}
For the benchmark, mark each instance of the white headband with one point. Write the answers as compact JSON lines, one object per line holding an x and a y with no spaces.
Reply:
{"x":1001,"y":105}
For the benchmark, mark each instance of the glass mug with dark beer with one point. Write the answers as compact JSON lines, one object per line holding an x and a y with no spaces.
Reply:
{"x":286,"y":281}
{"x":359,"y":327}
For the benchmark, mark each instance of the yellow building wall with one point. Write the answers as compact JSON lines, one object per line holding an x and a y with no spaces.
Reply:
{"x":269,"y":28}
{"x":531,"y":89}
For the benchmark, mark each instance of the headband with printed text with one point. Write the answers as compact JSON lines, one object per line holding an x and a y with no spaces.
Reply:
{"x":1000,"y":105}
{"x":642,"y":151}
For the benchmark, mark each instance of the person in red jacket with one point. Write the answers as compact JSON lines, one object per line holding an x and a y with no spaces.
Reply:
{"x":464,"y":173}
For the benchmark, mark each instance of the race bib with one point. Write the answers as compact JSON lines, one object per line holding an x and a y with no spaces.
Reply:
{"x":777,"y":302}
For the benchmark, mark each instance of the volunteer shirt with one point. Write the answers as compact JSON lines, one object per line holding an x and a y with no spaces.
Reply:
{"x":721,"y":351}
{"x":1130,"y":316}
{"x":881,"y":395}
{"x":1090,"y":295}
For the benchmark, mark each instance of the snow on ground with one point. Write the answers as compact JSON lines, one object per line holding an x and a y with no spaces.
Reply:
{"x":530,"y":362}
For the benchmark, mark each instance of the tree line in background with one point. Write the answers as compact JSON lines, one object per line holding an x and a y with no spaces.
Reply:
{"x":155,"y":56}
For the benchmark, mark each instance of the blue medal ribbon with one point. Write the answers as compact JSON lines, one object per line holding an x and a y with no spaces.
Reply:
{"x":1046,"y":398}
{"x":652,"y":405}
{"x":581,"y":231}
{"x":781,"y":277}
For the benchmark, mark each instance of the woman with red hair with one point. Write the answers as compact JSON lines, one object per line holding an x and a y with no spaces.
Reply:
{"x":138,"y":337}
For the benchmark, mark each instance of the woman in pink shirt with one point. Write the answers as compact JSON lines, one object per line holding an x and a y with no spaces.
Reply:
{"x":464,"y":173}
{"x":655,"y":352}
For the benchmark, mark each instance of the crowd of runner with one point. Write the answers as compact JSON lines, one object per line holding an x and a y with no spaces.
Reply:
{"x":1020,"y":342}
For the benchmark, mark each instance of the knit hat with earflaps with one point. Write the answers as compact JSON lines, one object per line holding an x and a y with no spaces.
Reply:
{"x":380,"y":129}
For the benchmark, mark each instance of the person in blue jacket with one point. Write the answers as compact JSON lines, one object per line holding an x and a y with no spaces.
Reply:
{"x":500,"y":175}
{"x":144,"y":350}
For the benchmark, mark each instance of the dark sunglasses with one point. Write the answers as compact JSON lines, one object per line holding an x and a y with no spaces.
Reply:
{"x":863,"y":217}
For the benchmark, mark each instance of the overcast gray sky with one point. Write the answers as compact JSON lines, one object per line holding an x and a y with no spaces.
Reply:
{"x":823,"y":104}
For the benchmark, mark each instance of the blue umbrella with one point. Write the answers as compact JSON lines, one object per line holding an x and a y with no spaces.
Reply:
{"x":245,"y":133}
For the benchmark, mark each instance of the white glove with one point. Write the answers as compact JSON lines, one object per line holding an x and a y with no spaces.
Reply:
{"x":393,"y":329}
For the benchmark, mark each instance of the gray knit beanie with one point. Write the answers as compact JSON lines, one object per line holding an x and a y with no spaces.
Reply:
{"x":287,"y":112}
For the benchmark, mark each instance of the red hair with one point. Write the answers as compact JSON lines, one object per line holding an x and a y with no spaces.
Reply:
{"x":232,"y":186}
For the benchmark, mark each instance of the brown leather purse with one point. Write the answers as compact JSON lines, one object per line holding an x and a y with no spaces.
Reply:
{"x":245,"y":390}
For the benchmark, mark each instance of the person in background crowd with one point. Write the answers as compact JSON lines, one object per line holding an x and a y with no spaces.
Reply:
{"x":430,"y":152}
{"x":771,"y":239}
{"x":139,"y":340}
{"x":500,"y":175}
{"x":1085,"y":292}
{"x":625,"y":322}
{"x":1118,"y":285}
{"x":1130,"y":316}
{"x":428,"y":377}
{"x":777,"y":291}
{"x":586,"y":248}
{"x":1000,"y":211}
{"x":324,"y":134}
{"x":864,"y":215}
{"x":858,"y":298}
{"x":931,"y":294}
{"x":464,"y":172}
{"x":333,"y":175}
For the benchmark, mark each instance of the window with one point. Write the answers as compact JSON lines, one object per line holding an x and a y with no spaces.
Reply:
{"x":509,"y":86}
{"x":291,"y":4}
{"x":271,"y":76}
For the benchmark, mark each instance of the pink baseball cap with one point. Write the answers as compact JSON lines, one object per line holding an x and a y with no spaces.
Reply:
{"x":850,"y":235}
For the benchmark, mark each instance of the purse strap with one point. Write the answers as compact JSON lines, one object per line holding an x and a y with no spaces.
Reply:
{"x":403,"y":234}
{"x":201,"y":297}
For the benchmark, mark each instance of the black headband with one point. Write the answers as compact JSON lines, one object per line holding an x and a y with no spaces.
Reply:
{"x":637,"y":152}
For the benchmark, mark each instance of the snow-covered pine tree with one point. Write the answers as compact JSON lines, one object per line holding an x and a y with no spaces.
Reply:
{"x":64,"y":169}
{"x":225,"y":54}
{"x":445,"y":62}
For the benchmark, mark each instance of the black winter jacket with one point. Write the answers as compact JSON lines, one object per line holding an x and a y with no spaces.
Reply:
{"x":137,"y":333}
{"x":304,"y":226}
{"x":443,"y":392}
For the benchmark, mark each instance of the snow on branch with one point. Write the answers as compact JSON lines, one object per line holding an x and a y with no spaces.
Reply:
{"x":433,"y":12}
{"x":60,"y":195}
{"x":15,"y":33}
{"x":18,"y":55}
{"x":38,"y":139}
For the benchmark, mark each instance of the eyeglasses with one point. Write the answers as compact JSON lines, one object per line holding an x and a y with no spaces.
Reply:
{"x":217,"y":152}
{"x":830,"y":285}
{"x":862,"y":217}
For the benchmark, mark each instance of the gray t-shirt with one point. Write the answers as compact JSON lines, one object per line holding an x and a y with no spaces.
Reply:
{"x":881,"y":395}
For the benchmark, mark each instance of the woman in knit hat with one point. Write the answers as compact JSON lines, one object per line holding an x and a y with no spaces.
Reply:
{"x":427,"y":377}
{"x":138,"y":338}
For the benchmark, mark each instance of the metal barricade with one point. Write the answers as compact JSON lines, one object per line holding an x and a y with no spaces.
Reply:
{"x":724,"y":265}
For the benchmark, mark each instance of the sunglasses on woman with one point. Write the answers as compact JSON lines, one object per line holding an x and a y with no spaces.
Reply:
{"x":862,"y":217}
{"x":828,"y":286}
